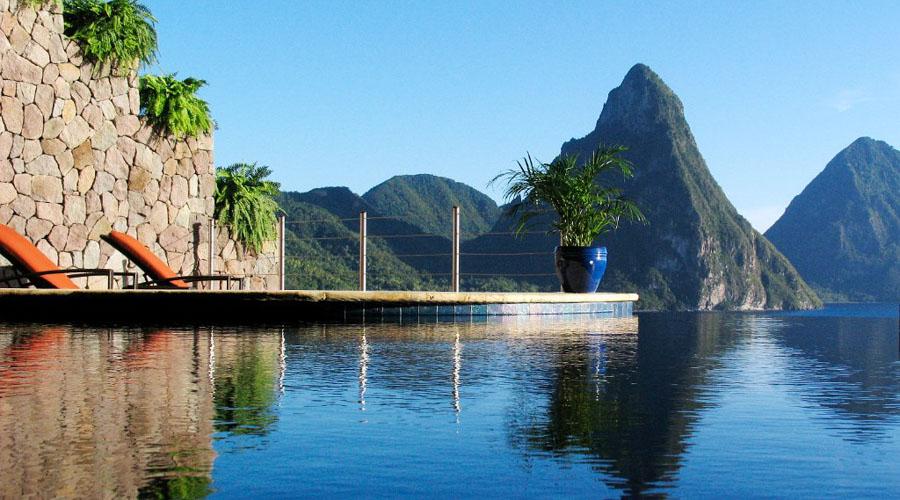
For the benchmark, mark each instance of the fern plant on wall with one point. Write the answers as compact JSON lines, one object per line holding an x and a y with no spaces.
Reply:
{"x":118,"y":32}
{"x":245,"y":203}
{"x":172,"y":107}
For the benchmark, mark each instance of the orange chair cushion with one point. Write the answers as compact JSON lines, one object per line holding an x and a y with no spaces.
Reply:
{"x":144,"y":258}
{"x":28,"y":259}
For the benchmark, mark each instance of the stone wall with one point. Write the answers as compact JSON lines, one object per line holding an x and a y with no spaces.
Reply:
{"x":77,"y":161}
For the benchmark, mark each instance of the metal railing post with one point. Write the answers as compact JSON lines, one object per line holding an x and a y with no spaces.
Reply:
{"x":454,"y":272}
{"x":212,"y":246}
{"x":362,"y":251}
{"x":281,"y":233}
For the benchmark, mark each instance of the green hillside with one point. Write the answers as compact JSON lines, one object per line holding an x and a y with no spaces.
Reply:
{"x":426,"y":200}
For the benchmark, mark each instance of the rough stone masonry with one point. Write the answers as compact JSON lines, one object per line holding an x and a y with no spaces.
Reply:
{"x":77,"y":161}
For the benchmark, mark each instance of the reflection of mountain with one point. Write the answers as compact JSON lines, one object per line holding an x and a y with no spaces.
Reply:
{"x":848,"y":366}
{"x":118,"y":415}
{"x":627,"y":403}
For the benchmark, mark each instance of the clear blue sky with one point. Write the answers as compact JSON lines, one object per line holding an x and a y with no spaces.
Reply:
{"x":352,"y":93}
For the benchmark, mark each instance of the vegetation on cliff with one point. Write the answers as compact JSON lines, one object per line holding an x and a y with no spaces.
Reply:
{"x":245,"y":203}
{"x":118,"y":32}
{"x":172,"y":107}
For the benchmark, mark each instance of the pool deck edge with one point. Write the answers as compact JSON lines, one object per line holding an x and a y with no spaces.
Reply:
{"x":297,"y":305}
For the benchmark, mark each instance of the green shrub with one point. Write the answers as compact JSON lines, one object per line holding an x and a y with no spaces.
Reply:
{"x":119,"y":32}
{"x":171,"y":106}
{"x":245,"y":203}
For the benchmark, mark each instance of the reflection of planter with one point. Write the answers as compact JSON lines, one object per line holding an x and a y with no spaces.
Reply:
{"x":580,"y":269}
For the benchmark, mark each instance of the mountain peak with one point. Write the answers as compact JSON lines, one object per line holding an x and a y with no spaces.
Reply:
{"x":642,"y":102}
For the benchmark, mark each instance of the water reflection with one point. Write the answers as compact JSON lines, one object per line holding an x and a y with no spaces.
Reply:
{"x":565,"y":406}
{"x":628,"y":401}
{"x":850,"y":368}
{"x":246,"y":384}
{"x":124,"y":413}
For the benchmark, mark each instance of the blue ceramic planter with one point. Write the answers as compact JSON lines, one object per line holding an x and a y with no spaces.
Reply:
{"x":580,"y":269}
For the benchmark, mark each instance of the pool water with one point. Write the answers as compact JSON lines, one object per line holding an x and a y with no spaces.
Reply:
{"x":681,"y":404}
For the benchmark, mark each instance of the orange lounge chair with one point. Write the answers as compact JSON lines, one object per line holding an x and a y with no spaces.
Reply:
{"x":156,"y":273}
{"x":40,"y":271}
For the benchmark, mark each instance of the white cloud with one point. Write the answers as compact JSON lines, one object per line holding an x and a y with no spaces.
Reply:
{"x":847,"y":99}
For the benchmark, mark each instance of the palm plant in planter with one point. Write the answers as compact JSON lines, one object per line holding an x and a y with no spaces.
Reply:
{"x":585,"y":209}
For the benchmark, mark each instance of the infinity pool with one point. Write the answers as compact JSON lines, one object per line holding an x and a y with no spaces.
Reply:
{"x":693,"y":404}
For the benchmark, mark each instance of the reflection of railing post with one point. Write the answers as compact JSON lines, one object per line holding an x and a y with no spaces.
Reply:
{"x":454,"y":272}
{"x":362,"y":251}
{"x":281,"y":233}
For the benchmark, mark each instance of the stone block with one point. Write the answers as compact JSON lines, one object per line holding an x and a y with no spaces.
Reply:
{"x":31,"y":150}
{"x":70,"y":181}
{"x":86,"y":179}
{"x":120,"y":102}
{"x":83,"y":155}
{"x":104,"y":182}
{"x":105,"y":137}
{"x":74,"y":210}
{"x":43,"y":98}
{"x":120,"y":189}
{"x":25,"y":92}
{"x":43,"y":165}
{"x":47,"y":188}
{"x":175,"y":238}
{"x":128,"y":148}
{"x":101,"y":226}
{"x":69,"y":72}
{"x":179,"y":194}
{"x":65,"y":161}
{"x":33,"y":122}
{"x":76,"y":132}
{"x":68,"y":111}
{"x":92,"y":256}
{"x":36,"y":54}
{"x":8,"y":193}
{"x":93,"y":115}
{"x":109,"y":111}
{"x":16,"y":68}
{"x":51,"y":73}
{"x":53,"y":146}
{"x":37,"y":228}
{"x":23,"y":205}
{"x":13,"y":114}
{"x":138,"y":179}
{"x":22,"y":182}
{"x":53,"y":128}
{"x":151,"y":192}
{"x":17,"y":145}
{"x":52,"y":212}
{"x":6,"y":171}
{"x":127,"y":124}
{"x":6,"y":142}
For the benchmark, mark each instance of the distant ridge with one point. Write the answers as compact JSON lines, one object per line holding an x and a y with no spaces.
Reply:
{"x":843,"y":230}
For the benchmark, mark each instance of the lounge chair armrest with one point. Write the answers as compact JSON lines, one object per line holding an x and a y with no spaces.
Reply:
{"x":74,"y":273}
{"x":196,"y":278}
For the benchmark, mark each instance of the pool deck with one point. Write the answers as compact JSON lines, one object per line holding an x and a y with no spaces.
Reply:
{"x":297,"y":305}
